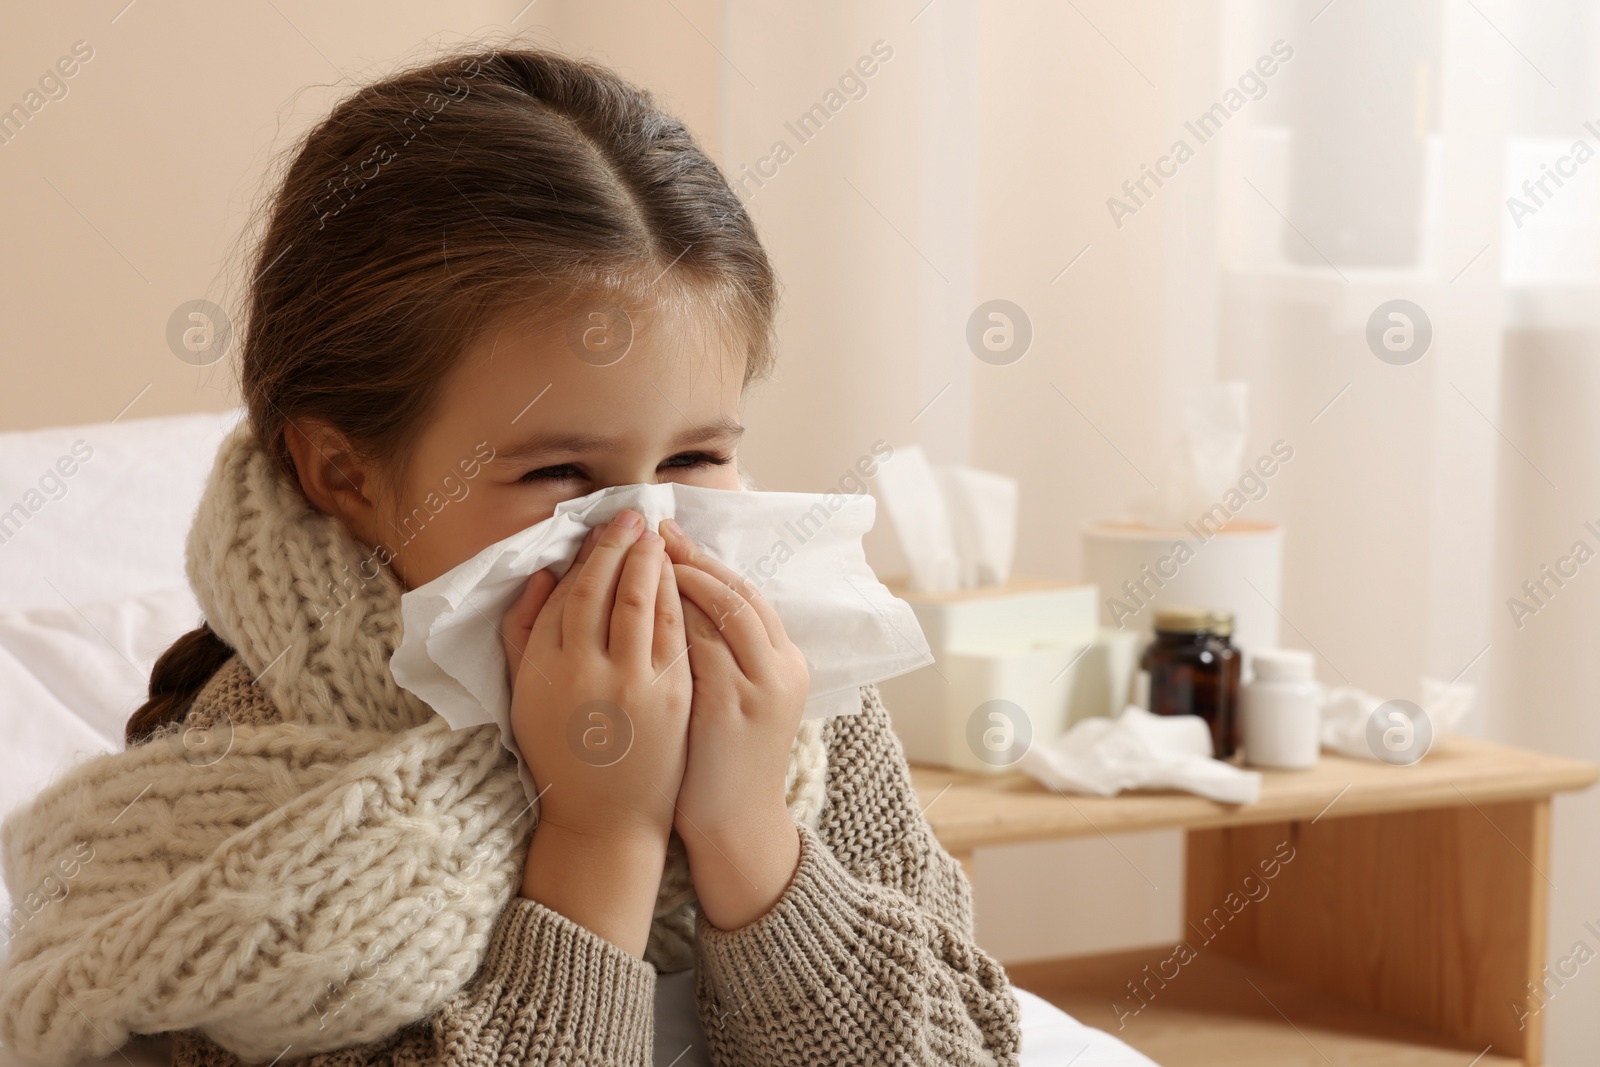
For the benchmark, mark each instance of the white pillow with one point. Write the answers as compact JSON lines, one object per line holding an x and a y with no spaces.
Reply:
{"x":69,"y":679}
{"x":99,"y":513}
{"x":93,"y":661}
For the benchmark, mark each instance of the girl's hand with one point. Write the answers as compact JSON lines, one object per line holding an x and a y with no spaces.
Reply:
{"x":750,"y":687}
{"x":599,"y":709}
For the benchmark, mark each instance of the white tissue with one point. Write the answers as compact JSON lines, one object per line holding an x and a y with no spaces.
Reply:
{"x":1139,"y":750}
{"x":956,"y":525}
{"x":802,"y":550}
{"x":982,"y":507}
{"x":1346,"y":711}
{"x":1204,"y":462}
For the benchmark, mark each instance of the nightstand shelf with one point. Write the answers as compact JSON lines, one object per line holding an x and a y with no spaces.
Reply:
{"x":1417,"y":893}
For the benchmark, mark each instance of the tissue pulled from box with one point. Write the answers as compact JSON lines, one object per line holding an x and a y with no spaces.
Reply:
{"x":1202,"y":464}
{"x":802,"y":550}
{"x":956,"y":525}
{"x":1139,"y":750}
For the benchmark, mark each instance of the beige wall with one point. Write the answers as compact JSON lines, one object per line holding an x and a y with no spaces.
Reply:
{"x":129,"y":195}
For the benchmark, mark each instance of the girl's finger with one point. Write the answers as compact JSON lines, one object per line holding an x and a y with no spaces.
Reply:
{"x":586,"y":614}
{"x":517,"y":624}
{"x":548,"y":624}
{"x":731,"y":615}
{"x":633,"y":614}
{"x":708,"y":652}
{"x":682,"y":549}
{"x":668,"y":643}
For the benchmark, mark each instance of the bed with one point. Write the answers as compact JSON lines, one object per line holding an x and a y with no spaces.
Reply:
{"x":92,"y":526}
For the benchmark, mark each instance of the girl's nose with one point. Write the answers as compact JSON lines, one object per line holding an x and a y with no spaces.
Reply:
{"x":643,"y":472}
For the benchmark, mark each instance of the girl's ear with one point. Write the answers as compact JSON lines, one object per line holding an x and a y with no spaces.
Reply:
{"x":332,"y":477}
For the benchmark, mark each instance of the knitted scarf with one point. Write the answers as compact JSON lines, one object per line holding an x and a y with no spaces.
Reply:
{"x":330,"y":877}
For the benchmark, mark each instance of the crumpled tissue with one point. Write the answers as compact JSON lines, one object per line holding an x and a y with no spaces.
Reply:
{"x":802,"y":550}
{"x":1346,"y":712}
{"x":1139,"y":750}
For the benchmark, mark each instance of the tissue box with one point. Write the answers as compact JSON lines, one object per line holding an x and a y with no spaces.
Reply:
{"x":1021,"y":614}
{"x":1032,"y":642}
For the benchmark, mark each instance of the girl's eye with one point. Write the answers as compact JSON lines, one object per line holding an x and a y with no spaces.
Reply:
{"x":695,"y":460}
{"x":571,"y":472}
{"x":564,"y":472}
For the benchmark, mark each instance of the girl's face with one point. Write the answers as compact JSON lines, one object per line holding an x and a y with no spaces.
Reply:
{"x":529,"y":417}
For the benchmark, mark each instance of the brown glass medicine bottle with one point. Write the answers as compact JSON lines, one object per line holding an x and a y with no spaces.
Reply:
{"x":1194,"y":670}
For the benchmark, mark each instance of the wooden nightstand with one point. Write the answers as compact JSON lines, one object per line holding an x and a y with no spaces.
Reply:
{"x":1408,"y":925}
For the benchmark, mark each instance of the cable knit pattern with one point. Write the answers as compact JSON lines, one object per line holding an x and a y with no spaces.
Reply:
{"x":243,"y":894}
{"x":287,"y":588}
{"x":314,"y":860}
{"x":866,"y":959}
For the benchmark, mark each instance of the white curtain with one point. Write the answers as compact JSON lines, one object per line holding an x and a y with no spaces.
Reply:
{"x":1436,"y":151}
{"x":1341,"y":155}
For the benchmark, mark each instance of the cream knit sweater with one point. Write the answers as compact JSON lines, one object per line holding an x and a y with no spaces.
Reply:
{"x":315,"y":866}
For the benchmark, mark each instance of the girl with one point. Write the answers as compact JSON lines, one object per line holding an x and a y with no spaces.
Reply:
{"x":488,"y":285}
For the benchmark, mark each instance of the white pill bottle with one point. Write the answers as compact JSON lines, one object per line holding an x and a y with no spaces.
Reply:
{"x":1281,"y":711}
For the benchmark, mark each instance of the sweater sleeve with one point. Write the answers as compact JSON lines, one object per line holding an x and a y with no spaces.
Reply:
{"x":868,"y":957}
{"x":549,"y":992}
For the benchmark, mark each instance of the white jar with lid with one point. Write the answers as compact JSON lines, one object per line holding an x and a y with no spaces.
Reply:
{"x":1281,"y":711}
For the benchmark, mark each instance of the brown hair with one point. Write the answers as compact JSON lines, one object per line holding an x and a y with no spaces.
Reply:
{"x":431,"y":202}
